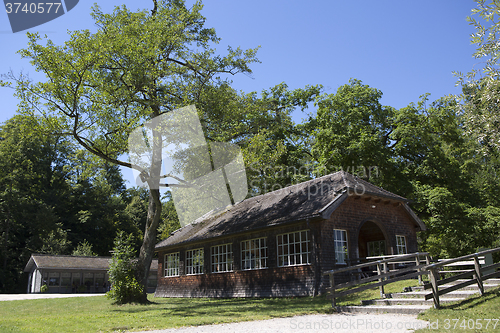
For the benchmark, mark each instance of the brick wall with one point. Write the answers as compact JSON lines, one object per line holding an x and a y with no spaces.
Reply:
{"x":270,"y":282}
{"x":391,"y":218}
{"x":273,"y":281}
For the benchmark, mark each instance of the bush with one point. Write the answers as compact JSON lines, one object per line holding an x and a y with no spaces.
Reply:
{"x":44,"y":288}
{"x":124,"y":286}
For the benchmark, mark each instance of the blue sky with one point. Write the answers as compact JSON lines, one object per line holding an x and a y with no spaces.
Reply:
{"x":403,"y":48}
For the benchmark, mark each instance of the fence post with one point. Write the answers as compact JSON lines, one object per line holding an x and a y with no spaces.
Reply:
{"x":427,"y":259}
{"x":434,"y":283}
{"x":417,"y":262}
{"x":332,"y":288}
{"x":379,"y":272}
{"x":477,"y":269}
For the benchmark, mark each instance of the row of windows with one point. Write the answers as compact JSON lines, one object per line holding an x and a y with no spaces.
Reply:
{"x":293,"y":249}
{"x":375,"y":248}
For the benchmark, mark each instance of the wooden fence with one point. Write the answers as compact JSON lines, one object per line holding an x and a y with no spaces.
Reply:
{"x":476,"y":275}
{"x":416,"y":265}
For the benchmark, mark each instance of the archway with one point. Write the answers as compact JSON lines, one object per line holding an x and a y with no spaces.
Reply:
{"x":371,"y":240}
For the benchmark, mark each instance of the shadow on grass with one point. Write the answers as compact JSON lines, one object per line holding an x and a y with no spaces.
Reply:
{"x":474,"y":301}
{"x":233,"y":307}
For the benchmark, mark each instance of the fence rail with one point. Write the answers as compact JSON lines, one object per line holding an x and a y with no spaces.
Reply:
{"x":477,"y":274}
{"x":384,"y":274}
{"x":420,"y":264}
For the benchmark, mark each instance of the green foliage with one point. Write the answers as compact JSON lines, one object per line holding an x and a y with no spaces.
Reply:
{"x":124,"y":286}
{"x":44,"y":288}
{"x":352,"y":132}
{"x":170,"y":221}
{"x":138,"y":65}
{"x":84,"y":249}
{"x":481,"y":87}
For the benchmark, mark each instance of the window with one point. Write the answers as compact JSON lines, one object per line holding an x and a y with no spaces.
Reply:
{"x":172,"y":264}
{"x":222,"y":258}
{"x":254,"y":254}
{"x":53,"y":279}
{"x":65,"y":279}
{"x":293,"y":248}
{"x":340,"y":245}
{"x":401,"y":244}
{"x":376,"y":248}
{"x":194,"y":261}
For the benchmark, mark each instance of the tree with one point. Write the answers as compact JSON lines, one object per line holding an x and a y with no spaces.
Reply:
{"x":352,"y":131}
{"x":137,"y":66}
{"x":481,"y":86}
{"x":84,"y":249}
{"x":32,"y":184}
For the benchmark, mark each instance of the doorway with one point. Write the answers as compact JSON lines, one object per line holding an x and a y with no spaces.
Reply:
{"x":371,"y":240}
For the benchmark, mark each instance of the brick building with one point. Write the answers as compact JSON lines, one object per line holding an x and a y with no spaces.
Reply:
{"x":280,"y":243}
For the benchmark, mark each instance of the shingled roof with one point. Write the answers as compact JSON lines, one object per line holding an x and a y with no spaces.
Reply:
{"x":316,"y":198}
{"x":48,"y":261}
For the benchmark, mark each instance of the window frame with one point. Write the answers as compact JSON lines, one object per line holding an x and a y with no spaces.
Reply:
{"x":171,"y":270}
{"x":401,"y":246}
{"x":223,"y":260}
{"x":193,"y":268}
{"x":344,"y":254}
{"x":282,"y":245}
{"x":260,"y":252}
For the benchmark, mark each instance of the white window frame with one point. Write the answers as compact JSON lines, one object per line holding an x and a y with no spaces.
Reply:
{"x":194,"y":261}
{"x":401,"y":244}
{"x":171,"y":264}
{"x":254,"y":254}
{"x":294,"y":248}
{"x":222,"y":258}
{"x":341,"y":246}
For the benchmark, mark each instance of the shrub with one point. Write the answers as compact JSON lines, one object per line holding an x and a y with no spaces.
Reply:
{"x":124,"y":286}
{"x":44,"y":288}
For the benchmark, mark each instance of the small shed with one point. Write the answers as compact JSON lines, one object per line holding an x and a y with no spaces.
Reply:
{"x":71,"y":274}
{"x":279,"y":243}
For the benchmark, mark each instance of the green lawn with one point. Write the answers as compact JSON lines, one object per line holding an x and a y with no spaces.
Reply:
{"x":97,"y":314}
{"x":475,"y":314}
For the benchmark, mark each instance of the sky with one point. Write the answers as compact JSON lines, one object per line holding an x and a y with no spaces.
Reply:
{"x":403,"y":48}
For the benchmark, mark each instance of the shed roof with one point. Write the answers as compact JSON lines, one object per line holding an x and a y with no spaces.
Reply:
{"x":49,"y":261}
{"x":316,"y":198}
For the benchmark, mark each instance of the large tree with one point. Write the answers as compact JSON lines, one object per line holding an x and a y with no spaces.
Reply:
{"x":137,"y":66}
{"x":480,"y":110}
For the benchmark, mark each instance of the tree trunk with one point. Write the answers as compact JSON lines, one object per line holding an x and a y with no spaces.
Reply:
{"x":149,"y":242}
{"x":154,"y":216}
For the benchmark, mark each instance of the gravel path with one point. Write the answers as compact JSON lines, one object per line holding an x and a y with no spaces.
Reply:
{"x":352,"y":323}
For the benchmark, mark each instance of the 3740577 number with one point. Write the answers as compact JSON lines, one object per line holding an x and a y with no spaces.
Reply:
{"x":40,"y":7}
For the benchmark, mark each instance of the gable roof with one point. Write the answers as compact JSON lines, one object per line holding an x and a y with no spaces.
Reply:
{"x":316,"y":198}
{"x":49,"y":261}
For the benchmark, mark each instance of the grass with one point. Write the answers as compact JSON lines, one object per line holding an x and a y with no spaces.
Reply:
{"x":97,"y":314}
{"x":467,"y":315}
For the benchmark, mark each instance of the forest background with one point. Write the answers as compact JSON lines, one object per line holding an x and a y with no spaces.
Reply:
{"x":57,"y":197}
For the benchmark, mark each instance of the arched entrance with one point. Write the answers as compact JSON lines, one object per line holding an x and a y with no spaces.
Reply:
{"x":371,"y":240}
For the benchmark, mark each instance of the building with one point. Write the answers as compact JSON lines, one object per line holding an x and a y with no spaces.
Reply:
{"x":70,"y":274}
{"x":279,"y":243}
